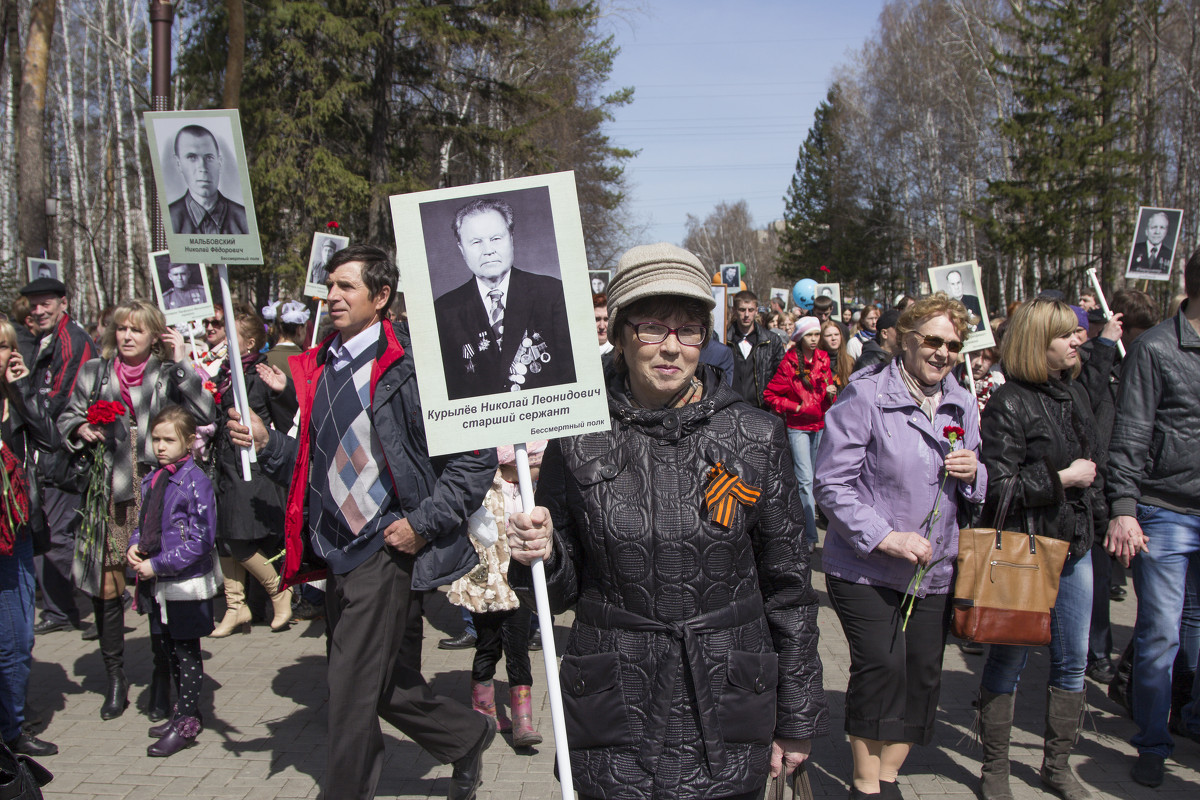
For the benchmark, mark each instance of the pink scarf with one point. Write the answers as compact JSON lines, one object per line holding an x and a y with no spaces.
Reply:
{"x":128,"y":376}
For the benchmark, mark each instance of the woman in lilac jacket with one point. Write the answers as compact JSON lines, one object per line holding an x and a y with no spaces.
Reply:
{"x":884,"y":464}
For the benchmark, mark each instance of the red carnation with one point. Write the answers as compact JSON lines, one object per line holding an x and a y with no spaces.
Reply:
{"x":824,"y":268}
{"x":953,"y":433}
{"x":103,"y":412}
{"x":332,"y":224}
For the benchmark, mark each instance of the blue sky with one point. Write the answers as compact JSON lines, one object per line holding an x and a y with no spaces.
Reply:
{"x":725,"y":93}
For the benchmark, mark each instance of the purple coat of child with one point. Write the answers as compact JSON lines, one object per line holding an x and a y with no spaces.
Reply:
{"x":189,"y":527}
{"x":878,"y":470}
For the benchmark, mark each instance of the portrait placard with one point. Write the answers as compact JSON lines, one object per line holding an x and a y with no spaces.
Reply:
{"x":782,"y":295}
{"x":731,"y":276}
{"x":599,"y":279}
{"x":720,"y":312}
{"x":182,"y":289}
{"x":44,"y":268}
{"x":324,"y":245}
{"x":1151,"y":255}
{"x":203,"y":182}
{"x":834,"y":292}
{"x":961,"y":281}
{"x":500,"y":308}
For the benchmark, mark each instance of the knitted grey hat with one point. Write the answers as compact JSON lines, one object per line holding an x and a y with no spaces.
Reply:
{"x":650,"y":270}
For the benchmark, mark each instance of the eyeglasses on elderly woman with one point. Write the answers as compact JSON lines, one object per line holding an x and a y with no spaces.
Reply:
{"x":691,"y":335}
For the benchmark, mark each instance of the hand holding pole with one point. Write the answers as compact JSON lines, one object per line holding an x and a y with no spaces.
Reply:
{"x":234,"y":353}
{"x":1104,"y":305}
{"x":546,"y":624}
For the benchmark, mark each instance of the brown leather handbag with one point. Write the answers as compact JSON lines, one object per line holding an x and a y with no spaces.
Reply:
{"x":1006,"y":581}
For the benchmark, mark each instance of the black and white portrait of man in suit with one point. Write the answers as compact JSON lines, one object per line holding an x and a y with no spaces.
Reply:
{"x":505,"y":328}
{"x":1154,"y":244}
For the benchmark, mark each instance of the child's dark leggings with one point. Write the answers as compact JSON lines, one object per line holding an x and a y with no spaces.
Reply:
{"x":187,"y":669}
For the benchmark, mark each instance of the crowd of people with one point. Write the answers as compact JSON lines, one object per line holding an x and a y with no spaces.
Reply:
{"x":682,"y":538}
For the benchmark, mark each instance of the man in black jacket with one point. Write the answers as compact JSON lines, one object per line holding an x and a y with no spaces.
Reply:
{"x":367,"y":501}
{"x":756,"y":353}
{"x":60,"y":348}
{"x":1154,"y":492}
{"x":1134,"y":313}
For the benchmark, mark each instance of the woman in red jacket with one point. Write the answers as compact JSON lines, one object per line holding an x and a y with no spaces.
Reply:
{"x":802,"y":390}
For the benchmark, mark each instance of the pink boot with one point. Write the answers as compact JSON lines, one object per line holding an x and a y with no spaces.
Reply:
{"x":483,"y":700}
{"x":522,"y":708}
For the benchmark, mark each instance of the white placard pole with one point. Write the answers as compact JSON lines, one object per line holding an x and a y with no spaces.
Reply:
{"x":192,"y":339}
{"x":970,"y":376}
{"x":546,"y":624}
{"x":1104,"y":305}
{"x":234,"y":354}
{"x":317,"y":322}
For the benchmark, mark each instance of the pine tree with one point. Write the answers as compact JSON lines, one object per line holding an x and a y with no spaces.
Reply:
{"x":821,"y":215}
{"x":1074,"y":162}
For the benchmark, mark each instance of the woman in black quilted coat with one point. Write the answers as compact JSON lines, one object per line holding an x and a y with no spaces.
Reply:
{"x":692,"y":669}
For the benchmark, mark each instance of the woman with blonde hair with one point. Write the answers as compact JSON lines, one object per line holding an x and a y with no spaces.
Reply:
{"x":1039,"y":433}
{"x":143,"y":367}
{"x":884,"y":464}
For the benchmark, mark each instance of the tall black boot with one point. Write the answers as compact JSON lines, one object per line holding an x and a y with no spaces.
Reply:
{"x":159,"y":707}
{"x":111,"y":622}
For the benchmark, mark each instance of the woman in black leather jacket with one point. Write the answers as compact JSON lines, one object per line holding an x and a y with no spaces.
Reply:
{"x":1038,"y":430}
{"x":692,"y":668}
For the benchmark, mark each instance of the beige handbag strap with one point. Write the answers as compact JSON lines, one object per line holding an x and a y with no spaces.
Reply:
{"x":798,"y":780}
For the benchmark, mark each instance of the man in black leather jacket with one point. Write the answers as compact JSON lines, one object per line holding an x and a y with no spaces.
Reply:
{"x":1154,"y":491}
{"x":756,"y":353}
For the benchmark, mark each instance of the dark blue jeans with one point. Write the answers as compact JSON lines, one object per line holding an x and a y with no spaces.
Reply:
{"x":1068,"y":636}
{"x":1160,"y":577}
{"x":16,"y":635}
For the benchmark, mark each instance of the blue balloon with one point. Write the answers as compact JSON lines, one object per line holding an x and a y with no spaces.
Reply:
{"x":804,"y":292}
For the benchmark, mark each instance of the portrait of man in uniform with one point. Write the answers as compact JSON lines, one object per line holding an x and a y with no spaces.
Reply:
{"x":317,"y":272}
{"x":504,"y":329}
{"x":203,"y":209}
{"x":182,"y":291}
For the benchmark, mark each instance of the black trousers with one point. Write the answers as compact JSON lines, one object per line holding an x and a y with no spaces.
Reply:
{"x":895,"y":675}
{"x":53,"y":569}
{"x":368,"y":612}
{"x":507,"y":631}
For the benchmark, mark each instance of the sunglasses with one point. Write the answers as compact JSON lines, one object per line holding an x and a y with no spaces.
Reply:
{"x":214,"y":323}
{"x":936,"y":342}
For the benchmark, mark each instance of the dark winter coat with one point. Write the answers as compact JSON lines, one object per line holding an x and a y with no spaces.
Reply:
{"x":872,"y":354}
{"x":1031,"y":431}
{"x":54,"y":361}
{"x":1156,"y":438}
{"x":693,"y":645}
{"x":437,"y":494}
{"x":252,"y":511}
{"x":752,"y":373}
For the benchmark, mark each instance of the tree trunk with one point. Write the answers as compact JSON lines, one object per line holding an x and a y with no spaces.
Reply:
{"x":31,"y":127}
{"x":378,"y":169}
{"x":236,"y":57}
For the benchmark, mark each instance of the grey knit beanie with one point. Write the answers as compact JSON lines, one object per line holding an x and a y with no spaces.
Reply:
{"x":650,"y":270}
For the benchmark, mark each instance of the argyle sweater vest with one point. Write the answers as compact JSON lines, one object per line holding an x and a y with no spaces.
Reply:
{"x":349,"y":503}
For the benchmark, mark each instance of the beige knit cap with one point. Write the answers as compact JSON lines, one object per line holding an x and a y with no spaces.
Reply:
{"x":650,"y":270}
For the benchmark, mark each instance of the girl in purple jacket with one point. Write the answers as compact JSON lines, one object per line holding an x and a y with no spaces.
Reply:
{"x":172,"y":553}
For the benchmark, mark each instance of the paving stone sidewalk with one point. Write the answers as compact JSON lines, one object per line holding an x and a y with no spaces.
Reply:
{"x":265,"y":725}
